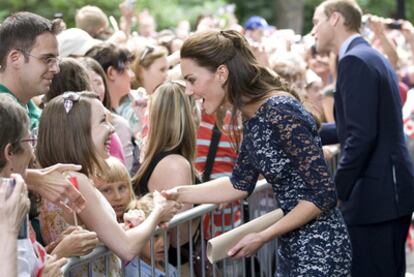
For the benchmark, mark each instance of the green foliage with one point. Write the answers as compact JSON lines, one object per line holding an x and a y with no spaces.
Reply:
{"x":48,"y":8}
{"x":384,"y":8}
{"x":264,"y":8}
{"x":166,"y":12}
{"x":169,"y":12}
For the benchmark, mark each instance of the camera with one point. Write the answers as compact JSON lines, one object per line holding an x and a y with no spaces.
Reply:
{"x":11,"y":183}
{"x":395,"y":25}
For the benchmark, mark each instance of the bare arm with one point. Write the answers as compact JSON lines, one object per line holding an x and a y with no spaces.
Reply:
{"x":328,"y":104}
{"x":300,"y":215}
{"x":127,"y":13}
{"x":377,"y":25}
{"x":407,"y":30}
{"x":96,"y":217}
{"x":216,"y":191}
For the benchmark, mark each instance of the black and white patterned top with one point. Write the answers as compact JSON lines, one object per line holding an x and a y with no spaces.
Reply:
{"x":281,"y":142}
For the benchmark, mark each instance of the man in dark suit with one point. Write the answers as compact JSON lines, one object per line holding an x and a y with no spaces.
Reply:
{"x":375,"y":176}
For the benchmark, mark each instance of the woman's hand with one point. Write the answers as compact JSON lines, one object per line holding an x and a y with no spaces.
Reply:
{"x":171,"y":194}
{"x":53,"y":267}
{"x":79,"y":242}
{"x":247,"y":247}
{"x":54,"y":186}
{"x":166,"y":209}
{"x":133,"y":218}
{"x":14,"y":207}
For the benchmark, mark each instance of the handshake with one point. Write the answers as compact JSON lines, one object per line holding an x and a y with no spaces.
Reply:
{"x":152,"y":204}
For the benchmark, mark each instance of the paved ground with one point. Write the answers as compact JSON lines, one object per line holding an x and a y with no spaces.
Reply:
{"x":410,"y":264}
{"x":410,"y":255}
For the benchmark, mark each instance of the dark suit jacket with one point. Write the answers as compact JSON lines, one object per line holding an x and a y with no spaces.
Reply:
{"x":375,"y":175}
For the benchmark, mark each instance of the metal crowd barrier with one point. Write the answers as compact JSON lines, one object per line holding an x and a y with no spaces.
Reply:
{"x":262,"y":264}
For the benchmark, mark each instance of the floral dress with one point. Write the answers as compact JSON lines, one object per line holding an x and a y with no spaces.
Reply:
{"x":52,"y":224}
{"x":281,"y":142}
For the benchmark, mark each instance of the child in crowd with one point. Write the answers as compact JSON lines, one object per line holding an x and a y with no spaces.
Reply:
{"x":144,"y":264}
{"x":115,"y":185}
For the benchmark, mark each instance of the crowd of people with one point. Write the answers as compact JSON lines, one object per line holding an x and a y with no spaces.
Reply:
{"x":110,"y":129}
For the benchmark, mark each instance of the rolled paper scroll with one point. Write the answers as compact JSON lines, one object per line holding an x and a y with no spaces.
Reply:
{"x":218,"y":247}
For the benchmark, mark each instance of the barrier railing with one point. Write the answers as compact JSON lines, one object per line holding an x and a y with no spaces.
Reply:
{"x":262,"y":264}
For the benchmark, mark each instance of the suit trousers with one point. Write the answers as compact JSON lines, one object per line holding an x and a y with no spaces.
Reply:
{"x":379,"y":249}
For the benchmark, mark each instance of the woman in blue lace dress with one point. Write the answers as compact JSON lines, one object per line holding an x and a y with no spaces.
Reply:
{"x":280,"y":141}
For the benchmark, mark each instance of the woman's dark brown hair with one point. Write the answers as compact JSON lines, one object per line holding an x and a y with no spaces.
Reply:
{"x":248,"y":82}
{"x":72,"y":77}
{"x":93,"y":65}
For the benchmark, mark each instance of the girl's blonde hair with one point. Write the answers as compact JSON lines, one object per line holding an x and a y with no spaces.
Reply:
{"x":144,"y":58}
{"x":117,"y":172}
{"x":172,"y":127}
{"x":146,"y":203}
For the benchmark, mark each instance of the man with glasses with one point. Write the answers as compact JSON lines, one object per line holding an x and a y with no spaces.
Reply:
{"x":28,"y":58}
{"x":28,"y":62}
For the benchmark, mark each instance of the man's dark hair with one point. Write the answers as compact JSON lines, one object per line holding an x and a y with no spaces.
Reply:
{"x":20,"y":30}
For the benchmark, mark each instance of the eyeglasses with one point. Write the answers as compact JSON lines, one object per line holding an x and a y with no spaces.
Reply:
{"x":32,"y":140}
{"x":148,"y":50}
{"x":48,"y":60}
{"x":69,"y":98}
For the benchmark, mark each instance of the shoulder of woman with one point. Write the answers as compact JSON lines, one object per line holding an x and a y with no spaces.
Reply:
{"x":171,"y":171}
{"x":174,"y":162}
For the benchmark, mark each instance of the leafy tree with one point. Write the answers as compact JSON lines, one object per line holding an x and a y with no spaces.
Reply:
{"x":166,"y":12}
{"x":169,"y":12}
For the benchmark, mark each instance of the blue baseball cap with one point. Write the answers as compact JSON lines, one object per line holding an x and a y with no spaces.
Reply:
{"x":256,"y":22}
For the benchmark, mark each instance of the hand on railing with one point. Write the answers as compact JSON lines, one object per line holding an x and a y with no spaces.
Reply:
{"x":53,"y":266}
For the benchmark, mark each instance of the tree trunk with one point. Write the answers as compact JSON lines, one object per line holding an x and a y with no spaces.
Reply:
{"x":289,"y":14}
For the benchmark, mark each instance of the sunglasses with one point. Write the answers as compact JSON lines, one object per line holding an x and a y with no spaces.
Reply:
{"x":148,"y":50}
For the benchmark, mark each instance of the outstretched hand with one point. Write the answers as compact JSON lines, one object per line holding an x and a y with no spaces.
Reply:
{"x":51,"y":184}
{"x":171,"y":194}
{"x":166,"y":208}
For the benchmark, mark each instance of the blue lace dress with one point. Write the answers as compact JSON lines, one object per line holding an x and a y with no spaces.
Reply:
{"x":281,"y":142}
